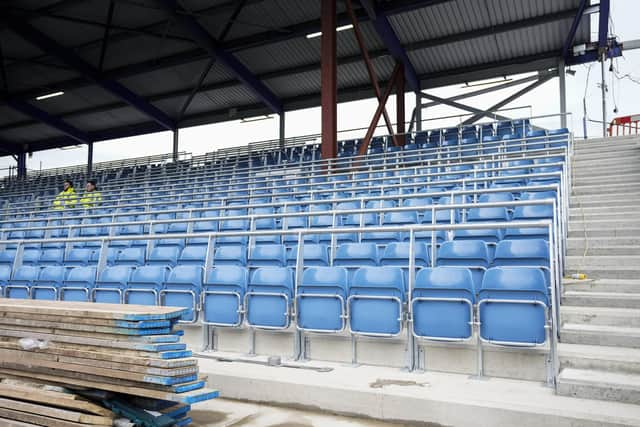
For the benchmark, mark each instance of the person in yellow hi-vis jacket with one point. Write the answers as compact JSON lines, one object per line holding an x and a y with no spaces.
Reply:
{"x":67,"y":197}
{"x":91,"y":197}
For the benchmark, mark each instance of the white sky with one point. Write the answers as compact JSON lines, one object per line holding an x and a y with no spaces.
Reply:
{"x":623,"y":93}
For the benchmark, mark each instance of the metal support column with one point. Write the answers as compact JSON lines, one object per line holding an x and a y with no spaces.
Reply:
{"x":281,"y":132}
{"x":563,"y":94}
{"x":603,"y":88}
{"x":22,"y":165}
{"x":418,"y":112}
{"x":176,"y":137}
{"x":89,"y":160}
{"x":329,"y":98}
{"x":400,"y":106}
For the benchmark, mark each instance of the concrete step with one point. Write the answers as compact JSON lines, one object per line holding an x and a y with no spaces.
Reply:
{"x":602,"y":242}
{"x":605,"y":316}
{"x":601,"y":299}
{"x":613,"y":232}
{"x":616,"y":336}
{"x":626,"y":162}
{"x":618,"y":178}
{"x":604,"y":199}
{"x":599,"y":357}
{"x":628,"y":222}
{"x":592,"y":384}
{"x":604,"y":250}
{"x":603,"y":210}
{"x":602,"y":285}
{"x":627,"y":187}
{"x":618,"y":154}
{"x":581,"y":215}
{"x":603,"y":260}
{"x":595,"y":272}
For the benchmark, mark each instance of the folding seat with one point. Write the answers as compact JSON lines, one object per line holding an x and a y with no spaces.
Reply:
{"x":472,"y":254}
{"x":442,"y":303}
{"x":513,"y":306}
{"x":164,"y":255}
{"x":51,"y":257}
{"x":182,"y":289}
{"x":31,"y":256}
{"x":536,"y":139}
{"x":230,"y":255}
{"x":503,"y":128}
{"x":434,"y":139}
{"x":111,"y":283}
{"x":558,"y":138}
{"x":375,"y":300}
{"x":512,"y":143}
{"x":268,"y":256}
{"x":269,"y":298}
{"x":505,"y":174}
{"x":495,"y":198}
{"x":316,"y":255}
{"x":544,"y":161}
{"x":523,"y":253}
{"x":490,"y":144}
{"x":145,"y":284}
{"x":468,"y":146}
{"x":530,"y":213}
{"x":5,"y":276}
{"x":193,"y":255}
{"x":397,"y":255}
{"x":133,"y":257}
{"x":392,"y":219}
{"x":20,"y":284}
{"x":356,"y":255}
{"x":223,"y":296}
{"x":231,"y":225}
{"x":480,"y":215}
{"x":47,"y":286}
{"x":203,"y":226}
{"x":79,"y":257}
{"x":321,"y":300}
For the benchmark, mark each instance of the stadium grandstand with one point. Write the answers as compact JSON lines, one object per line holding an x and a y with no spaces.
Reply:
{"x":481,"y":273}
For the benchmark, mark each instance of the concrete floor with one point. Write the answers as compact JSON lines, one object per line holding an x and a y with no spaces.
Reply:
{"x":233,"y":413}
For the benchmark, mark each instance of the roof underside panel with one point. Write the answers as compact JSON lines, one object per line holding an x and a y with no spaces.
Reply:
{"x":446,"y":41}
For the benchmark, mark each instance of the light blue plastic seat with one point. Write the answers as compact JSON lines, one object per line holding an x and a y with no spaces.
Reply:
{"x":321,"y":299}
{"x":182,"y":289}
{"x":480,"y":215}
{"x":49,"y":281}
{"x":397,"y":254}
{"x":512,"y":306}
{"x":50,"y":257}
{"x":375,"y":300}
{"x":471,"y":254}
{"x":314,"y":255}
{"x":164,"y":255}
{"x":268,"y":256}
{"x":230,"y":255}
{"x":223,"y":296}
{"x":356,"y":255}
{"x":442,"y":304}
{"x":79,"y":257}
{"x":145,"y":284}
{"x":78,"y":284}
{"x":530,"y":213}
{"x":193,"y":255}
{"x":269,"y":298}
{"x":109,"y":288}
{"x":133,"y":257}
{"x":20,"y":284}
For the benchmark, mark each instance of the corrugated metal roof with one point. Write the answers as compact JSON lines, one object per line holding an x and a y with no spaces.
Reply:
{"x":159,"y":61}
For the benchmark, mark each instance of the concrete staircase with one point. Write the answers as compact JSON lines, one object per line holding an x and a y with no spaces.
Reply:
{"x":600,"y":331}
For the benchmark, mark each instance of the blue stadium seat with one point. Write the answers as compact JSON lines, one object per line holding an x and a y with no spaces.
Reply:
{"x":356,"y":255}
{"x":442,"y":304}
{"x":164,"y":255}
{"x":321,"y":299}
{"x":471,"y":254}
{"x":523,"y":253}
{"x":526,"y":213}
{"x":20,"y":284}
{"x":375,"y":300}
{"x":5,"y":276}
{"x":31,"y":256}
{"x":47,"y":286}
{"x":223,"y":296}
{"x":314,"y":255}
{"x":79,"y":257}
{"x":194,"y":255}
{"x":558,"y":137}
{"x":182,"y":289}
{"x":133,"y":257}
{"x":78,"y":284}
{"x":230,"y":225}
{"x":480,"y":215}
{"x":397,"y":254}
{"x":269,"y":297}
{"x":268,"y":256}
{"x":52,"y":257}
{"x":512,"y":306}
{"x":230,"y":255}
{"x":109,"y":287}
{"x":145,"y":284}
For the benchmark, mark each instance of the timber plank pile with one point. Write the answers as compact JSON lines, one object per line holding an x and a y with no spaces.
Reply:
{"x":69,"y":364}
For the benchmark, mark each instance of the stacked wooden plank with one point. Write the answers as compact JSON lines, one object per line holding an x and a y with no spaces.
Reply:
{"x":103,"y":361}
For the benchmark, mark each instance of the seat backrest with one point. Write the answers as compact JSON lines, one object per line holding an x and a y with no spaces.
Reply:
{"x":397,"y":254}
{"x":400,"y":218}
{"x":5,"y":272}
{"x":164,"y":254}
{"x":52,"y":256}
{"x":27,"y":273}
{"x":320,"y":277}
{"x":155,"y":274}
{"x":463,"y":253}
{"x":533,"y":212}
{"x":277,"y":277}
{"x":514,"y":283}
{"x":118,"y":274}
{"x":529,"y":252}
{"x":187,"y":275}
{"x":354,"y":254}
{"x":443,"y":280}
{"x":79,"y":255}
{"x":378,"y":281}
{"x":193,"y":254}
{"x":274,"y":255}
{"x":131,"y":256}
{"x":312,"y":254}
{"x":227,"y":275}
{"x":55,"y":274}
{"x":487,"y":214}
{"x":82,"y":274}
{"x":495,"y":197}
